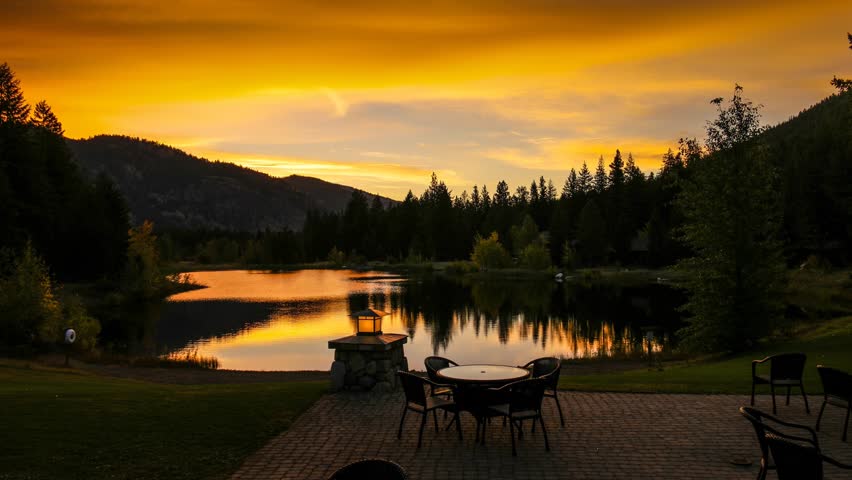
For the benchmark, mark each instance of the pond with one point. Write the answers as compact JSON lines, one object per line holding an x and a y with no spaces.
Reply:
{"x":260,"y":320}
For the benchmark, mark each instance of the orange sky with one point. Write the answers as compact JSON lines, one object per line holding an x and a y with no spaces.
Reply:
{"x":379,"y":94}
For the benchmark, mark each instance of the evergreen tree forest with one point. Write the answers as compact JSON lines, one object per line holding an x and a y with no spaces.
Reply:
{"x":608,"y":212}
{"x":77,"y":225}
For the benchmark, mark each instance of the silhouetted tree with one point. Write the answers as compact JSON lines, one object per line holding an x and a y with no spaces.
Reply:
{"x":736,"y":278}
{"x":43,"y":117}
{"x":13,"y":106}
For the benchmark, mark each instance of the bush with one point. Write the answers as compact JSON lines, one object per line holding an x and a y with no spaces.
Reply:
{"x":336,"y":257}
{"x":461,"y":267}
{"x":489,"y":253}
{"x":30,"y":310}
{"x":76,"y":317}
{"x":535,"y":256}
{"x":142,"y":278}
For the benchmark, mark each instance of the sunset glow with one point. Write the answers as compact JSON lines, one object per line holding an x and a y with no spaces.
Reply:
{"x":378,"y":95}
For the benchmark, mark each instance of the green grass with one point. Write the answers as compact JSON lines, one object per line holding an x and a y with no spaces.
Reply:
{"x":829,"y":344}
{"x":69,"y":424}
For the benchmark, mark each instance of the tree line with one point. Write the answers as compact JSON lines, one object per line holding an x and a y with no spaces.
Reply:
{"x":58,"y":226}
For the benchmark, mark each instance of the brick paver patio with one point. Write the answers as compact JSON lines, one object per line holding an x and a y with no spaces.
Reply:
{"x":605,"y":436}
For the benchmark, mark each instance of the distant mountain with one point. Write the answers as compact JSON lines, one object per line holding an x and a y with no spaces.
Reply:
{"x":179,"y":190}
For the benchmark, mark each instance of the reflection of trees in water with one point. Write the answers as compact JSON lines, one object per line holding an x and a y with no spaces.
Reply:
{"x":575,"y":320}
{"x":587,"y":320}
{"x":165,"y":327}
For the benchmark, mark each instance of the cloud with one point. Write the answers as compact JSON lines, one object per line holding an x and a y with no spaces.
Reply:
{"x":339,"y":88}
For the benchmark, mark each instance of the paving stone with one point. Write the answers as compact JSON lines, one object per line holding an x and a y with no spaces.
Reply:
{"x":606,"y":435}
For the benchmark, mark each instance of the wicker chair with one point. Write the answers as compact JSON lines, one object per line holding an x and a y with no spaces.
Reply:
{"x":548,"y":368}
{"x":524,"y":403}
{"x":759,"y":420}
{"x":837,"y":386}
{"x":416,"y":400}
{"x":433,"y":364}
{"x":785,"y":370}
{"x":370,"y":468}
{"x":798,"y":458}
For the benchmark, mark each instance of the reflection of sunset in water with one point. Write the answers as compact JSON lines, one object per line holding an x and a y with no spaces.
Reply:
{"x":305,"y":309}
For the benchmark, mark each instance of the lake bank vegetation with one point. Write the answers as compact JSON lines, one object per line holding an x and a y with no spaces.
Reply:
{"x":60,"y":227}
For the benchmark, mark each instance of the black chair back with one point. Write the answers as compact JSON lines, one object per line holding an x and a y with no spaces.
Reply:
{"x":526,"y":395}
{"x":787,"y":366}
{"x":414,"y":388}
{"x":794,"y":460}
{"x":836,"y":383}
{"x":433,"y":364}
{"x":755,"y":416}
{"x":370,"y":468}
{"x":547,"y":368}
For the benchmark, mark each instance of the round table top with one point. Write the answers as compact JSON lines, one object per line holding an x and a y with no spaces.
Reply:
{"x":483,"y":373}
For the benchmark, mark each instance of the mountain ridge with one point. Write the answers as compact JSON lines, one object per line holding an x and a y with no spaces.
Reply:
{"x":176,"y":189}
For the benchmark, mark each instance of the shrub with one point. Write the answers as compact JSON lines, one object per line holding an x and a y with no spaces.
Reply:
{"x":76,"y":317}
{"x":489,"y":253}
{"x":336,"y":257}
{"x":461,"y":267}
{"x":30,"y":310}
{"x":535,"y":256}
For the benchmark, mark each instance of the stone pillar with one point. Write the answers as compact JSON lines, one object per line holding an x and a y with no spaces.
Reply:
{"x":368,"y":362}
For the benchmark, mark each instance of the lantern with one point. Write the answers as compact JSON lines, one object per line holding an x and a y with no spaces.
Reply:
{"x":369,"y":321}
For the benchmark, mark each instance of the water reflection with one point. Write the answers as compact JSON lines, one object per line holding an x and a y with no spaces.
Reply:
{"x":282,"y":321}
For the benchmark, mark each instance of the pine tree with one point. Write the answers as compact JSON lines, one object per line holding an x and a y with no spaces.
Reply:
{"x":43,"y":117}
{"x":533,"y":193}
{"x":584,"y":180}
{"x":551,"y":190}
{"x":631,"y":171}
{"x":13,"y":107}
{"x":486,"y":198}
{"x":616,"y":171}
{"x":672,"y":162}
{"x":570,"y":187}
{"x":843,"y":84}
{"x":600,"y":176}
{"x":501,"y":195}
{"x":475,"y":202}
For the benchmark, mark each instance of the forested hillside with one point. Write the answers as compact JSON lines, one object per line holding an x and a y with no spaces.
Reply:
{"x":180,"y":191}
{"x":614,"y":213}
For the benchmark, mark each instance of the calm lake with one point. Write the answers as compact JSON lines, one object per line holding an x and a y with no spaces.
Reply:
{"x":259,"y":320}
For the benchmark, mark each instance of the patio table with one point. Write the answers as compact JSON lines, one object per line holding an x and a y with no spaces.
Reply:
{"x":482,"y":374}
{"x":472,"y":381}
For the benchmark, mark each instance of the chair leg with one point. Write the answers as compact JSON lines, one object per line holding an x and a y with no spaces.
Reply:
{"x":482,"y":437}
{"x":774,"y":410}
{"x":846,"y":423}
{"x":399,"y":433}
{"x":559,"y":408}
{"x":512,"y":434}
{"x":752,"y":392}
{"x":422,"y":424}
{"x":805,"y":397}
{"x":458,"y":425}
{"x":435,"y":417}
{"x":788,"y":396}
{"x":819,"y":417}
{"x":533,"y":427}
{"x":544,"y":432}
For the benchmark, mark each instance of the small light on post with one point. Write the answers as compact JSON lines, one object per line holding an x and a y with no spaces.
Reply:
{"x":369,"y":321}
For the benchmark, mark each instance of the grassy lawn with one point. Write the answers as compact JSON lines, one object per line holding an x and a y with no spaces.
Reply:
{"x":830,"y":344}
{"x":70,"y":424}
